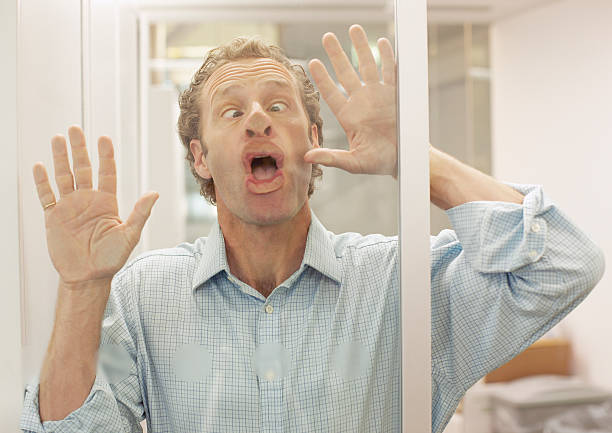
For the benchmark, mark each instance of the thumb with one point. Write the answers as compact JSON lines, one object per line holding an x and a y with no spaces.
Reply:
{"x":338,"y":158}
{"x":140,"y":214}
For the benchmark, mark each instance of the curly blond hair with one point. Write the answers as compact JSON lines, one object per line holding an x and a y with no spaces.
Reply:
{"x":189,"y":125}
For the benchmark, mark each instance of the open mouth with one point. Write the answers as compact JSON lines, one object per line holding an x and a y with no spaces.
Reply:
{"x":263,"y":167}
{"x":264,"y":171}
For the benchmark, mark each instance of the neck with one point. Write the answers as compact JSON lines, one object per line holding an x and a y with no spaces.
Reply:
{"x":264,"y":256}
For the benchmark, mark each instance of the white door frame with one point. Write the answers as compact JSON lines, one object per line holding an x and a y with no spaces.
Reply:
{"x":413,"y":103}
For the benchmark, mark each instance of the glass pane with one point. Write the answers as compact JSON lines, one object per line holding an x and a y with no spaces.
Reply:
{"x":295,"y":349}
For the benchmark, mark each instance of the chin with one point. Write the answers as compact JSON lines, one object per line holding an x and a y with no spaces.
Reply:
{"x":268,"y":215}
{"x":264,"y":210}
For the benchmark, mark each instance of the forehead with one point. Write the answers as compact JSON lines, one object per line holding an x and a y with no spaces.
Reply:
{"x":251,"y":70}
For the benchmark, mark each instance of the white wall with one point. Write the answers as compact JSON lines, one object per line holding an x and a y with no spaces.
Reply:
{"x":49,"y":100}
{"x":10,"y":307}
{"x":552,"y":125}
{"x":165,"y":171}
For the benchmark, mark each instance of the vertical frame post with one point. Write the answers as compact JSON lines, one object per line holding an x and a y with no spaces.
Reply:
{"x":10,"y":231}
{"x":413,"y":131}
{"x":143,"y":112}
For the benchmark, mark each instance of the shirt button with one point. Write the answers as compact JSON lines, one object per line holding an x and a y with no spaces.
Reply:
{"x":535,"y":227}
{"x":269,"y":309}
{"x":269,"y":376}
{"x":533,"y":254}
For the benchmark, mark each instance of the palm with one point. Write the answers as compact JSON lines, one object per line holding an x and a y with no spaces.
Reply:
{"x":85,"y":236}
{"x":367,"y":113}
{"x":368,"y":119}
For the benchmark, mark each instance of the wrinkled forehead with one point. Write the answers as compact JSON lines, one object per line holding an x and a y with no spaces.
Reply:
{"x":247,"y":70}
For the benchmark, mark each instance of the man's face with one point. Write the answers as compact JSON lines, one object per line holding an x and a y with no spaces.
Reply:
{"x":256,"y":132}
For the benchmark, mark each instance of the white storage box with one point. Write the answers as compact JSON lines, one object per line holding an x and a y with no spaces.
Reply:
{"x":524,"y":405}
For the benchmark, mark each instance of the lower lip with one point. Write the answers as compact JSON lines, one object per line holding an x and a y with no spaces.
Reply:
{"x":258,"y":186}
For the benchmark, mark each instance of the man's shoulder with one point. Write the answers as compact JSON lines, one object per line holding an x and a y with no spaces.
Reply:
{"x":364,"y":258}
{"x":178,"y":259}
{"x":356,"y":243}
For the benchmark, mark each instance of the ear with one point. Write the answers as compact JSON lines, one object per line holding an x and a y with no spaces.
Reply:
{"x":199,"y":159}
{"x":314,"y":135}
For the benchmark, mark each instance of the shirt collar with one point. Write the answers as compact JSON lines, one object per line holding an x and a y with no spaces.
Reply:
{"x":213,"y":259}
{"x":319,"y":254}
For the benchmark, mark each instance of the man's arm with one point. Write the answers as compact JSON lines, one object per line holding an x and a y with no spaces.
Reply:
{"x":69,"y":368}
{"x":504,"y":276}
{"x":453,"y":183}
{"x":88,"y":244}
{"x":113,"y":400}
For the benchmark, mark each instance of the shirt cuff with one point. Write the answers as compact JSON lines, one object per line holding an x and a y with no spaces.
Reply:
{"x":501,"y":236}
{"x":30,"y":417}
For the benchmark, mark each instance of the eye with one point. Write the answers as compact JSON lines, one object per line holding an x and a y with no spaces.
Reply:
{"x":278,"y":106}
{"x":232,"y":113}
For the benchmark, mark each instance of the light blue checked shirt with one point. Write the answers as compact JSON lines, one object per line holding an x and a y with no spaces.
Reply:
{"x":191,"y":348}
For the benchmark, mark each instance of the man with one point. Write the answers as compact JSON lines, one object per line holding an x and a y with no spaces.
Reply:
{"x":271,"y":323}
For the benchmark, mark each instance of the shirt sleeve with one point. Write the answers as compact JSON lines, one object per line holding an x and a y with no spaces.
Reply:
{"x":114,"y":403}
{"x":505,"y":275}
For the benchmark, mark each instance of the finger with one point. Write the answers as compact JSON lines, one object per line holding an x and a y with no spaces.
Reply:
{"x":330,"y":92}
{"x":342,"y":66}
{"x":80,"y":158}
{"x":107,"y":172}
{"x":367,"y":64}
{"x":43,"y":188}
{"x":338,"y":158}
{"x":63,"y":174}
{"x":139,"y":215}
{"x":387,"y":60}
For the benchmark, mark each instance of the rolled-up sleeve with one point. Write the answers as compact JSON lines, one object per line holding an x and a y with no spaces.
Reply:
{"x":504,"y":276}
{"x":114,"y":403}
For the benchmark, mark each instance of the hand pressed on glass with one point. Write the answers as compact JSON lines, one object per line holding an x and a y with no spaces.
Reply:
{"x":367,"y":113}
{"x":85,"y":236}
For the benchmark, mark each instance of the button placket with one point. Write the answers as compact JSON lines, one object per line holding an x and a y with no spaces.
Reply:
{"x":270,"y":385}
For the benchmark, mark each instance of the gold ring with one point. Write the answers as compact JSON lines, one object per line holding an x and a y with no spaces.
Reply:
{"x":48,"y":205}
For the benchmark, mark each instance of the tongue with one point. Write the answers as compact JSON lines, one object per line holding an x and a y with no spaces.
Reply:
{"x":264,"y":172}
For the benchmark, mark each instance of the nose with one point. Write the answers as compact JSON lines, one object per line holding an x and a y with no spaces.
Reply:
{"x":258,"y":123}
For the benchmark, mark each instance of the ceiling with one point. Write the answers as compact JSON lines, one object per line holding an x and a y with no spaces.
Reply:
{"x":479,"y":10}
{"x":449,"y":11}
